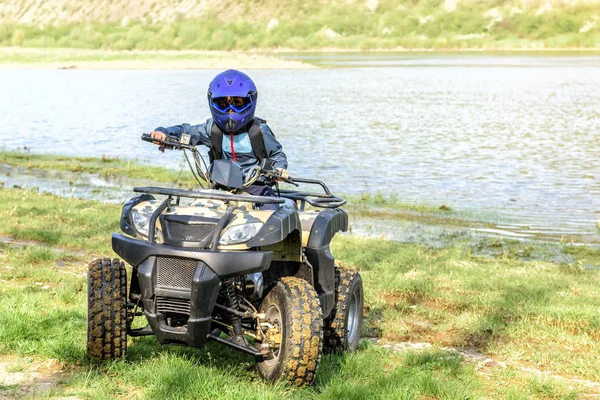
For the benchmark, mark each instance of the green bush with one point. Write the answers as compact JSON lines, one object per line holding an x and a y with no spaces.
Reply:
{"x":301,"y":26}
{"x":135,"y":35}
{"x":223,"y":39}
{"x":17,"y":38}
{"x":6,"y":32}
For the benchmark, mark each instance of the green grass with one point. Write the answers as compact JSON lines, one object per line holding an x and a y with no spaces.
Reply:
{"x":35,"y":320}
{"x":393,"y":202}
{"x":27,"y":215}
{"x":536,"y":311}
{"x":304,"y":25}
{"x":534,"y":314}
{"x":106,"y":167}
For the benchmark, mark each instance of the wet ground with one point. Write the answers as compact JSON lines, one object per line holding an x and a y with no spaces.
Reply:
{"x":480,"y":232}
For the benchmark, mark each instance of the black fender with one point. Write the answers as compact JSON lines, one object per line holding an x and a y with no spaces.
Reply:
{"x":283,"y":222}
{"x":326,"y":225}
{"x":224,"y":263}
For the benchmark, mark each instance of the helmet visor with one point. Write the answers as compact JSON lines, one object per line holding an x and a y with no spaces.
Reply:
{"x":237,"y":104}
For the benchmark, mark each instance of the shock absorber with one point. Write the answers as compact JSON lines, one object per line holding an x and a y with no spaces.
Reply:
{"x":228,"y":293}
{"x":229,"y":296}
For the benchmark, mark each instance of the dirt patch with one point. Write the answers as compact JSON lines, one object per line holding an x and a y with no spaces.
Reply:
{"x":26,"y":377}
{"x":446,"y":305}
{"x":397,"y":299}
{"x":9,"y":240}
{"x":485,"y":363}
{"x":422,"y":331}
{"x":574,"y":327}
{"x":393,"y":298}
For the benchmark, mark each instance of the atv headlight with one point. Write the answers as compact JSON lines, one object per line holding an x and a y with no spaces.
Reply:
{"x":140,"y":222}
{"x":240,"y":233}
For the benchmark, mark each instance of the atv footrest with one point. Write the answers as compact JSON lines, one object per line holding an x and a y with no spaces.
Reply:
{"x":145,"y":331}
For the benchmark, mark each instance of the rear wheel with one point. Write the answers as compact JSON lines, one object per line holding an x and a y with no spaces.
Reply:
{"x":107,"y":309}
{"x":342,"y":327}
{"x":295,"y":328}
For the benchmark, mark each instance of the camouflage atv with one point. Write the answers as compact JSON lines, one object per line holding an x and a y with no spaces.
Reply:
{"x":211,"y":265}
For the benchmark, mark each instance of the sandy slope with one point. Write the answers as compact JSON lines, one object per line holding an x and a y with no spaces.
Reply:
{"x":27,"y":58}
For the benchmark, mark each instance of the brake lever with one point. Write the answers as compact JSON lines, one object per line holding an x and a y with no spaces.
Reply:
{"x":276,"y":177}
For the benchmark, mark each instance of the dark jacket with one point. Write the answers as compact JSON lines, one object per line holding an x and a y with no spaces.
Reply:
{"x":245,"y":157}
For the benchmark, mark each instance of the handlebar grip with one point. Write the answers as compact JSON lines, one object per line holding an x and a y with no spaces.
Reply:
{"x":163,"y":144}
{"x":170,"y":142}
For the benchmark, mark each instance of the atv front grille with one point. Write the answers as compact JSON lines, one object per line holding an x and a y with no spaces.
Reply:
{"x":174,"y":273}
{"x":189,"y":233}
{"x":172,"y":305}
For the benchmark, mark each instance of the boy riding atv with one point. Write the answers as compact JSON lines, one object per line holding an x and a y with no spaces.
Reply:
{"x":250,"y":271}
{"x":234,"y":133}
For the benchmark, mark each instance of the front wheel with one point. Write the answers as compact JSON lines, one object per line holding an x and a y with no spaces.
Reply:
{"x":107,"y":309}
{"x":343,"y":325}
{"x":293,"y":315}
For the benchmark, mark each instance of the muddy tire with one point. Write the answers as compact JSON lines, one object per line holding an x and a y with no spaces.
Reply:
{"x":293,"y":306}
{"x":342,"y":327}
{"x":107,"y":309}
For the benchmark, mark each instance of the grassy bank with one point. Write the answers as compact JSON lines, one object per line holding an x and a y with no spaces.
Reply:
{"x":22,"y":58}
{"x":532,"y":325}
{"x":384,"y":24}
{"x":436,"y":225}
{"x":106,"y":167}
{"x":112,"y":167}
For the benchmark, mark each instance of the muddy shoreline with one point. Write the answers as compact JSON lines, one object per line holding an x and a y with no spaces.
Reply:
{"x":87,"y":59}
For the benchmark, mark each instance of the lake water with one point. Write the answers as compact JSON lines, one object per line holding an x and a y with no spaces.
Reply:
{"x":516,"y":137}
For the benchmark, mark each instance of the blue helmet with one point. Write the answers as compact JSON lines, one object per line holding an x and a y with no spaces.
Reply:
{"x":232,"y":100}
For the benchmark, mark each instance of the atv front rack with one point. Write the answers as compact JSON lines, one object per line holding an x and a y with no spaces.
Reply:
{"x":321,"y":200}
{"x":170,"y":193}
{"x":211,"y":196}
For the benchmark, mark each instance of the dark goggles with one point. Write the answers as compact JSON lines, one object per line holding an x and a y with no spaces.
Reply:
{"x":236,"y":103}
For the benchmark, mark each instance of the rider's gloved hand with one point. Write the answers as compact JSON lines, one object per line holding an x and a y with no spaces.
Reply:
{"x":283,"y":173}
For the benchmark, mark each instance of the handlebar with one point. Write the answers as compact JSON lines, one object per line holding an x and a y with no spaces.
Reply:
{"x":257,"y":171}
{"x":322,"y":200}
{"x":170,"y":143}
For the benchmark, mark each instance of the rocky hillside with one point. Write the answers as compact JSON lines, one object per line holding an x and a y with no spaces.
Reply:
{"x":254,"y":24}
{"x":62,"y":11}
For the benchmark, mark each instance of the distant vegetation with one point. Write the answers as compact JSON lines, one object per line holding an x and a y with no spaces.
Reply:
{"x":298,"y":25}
